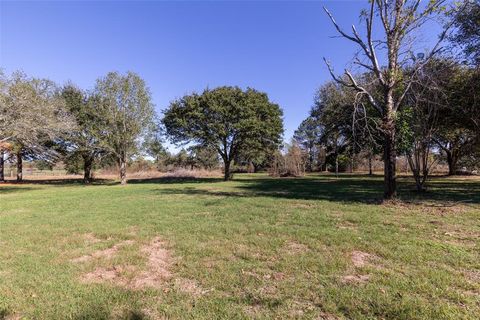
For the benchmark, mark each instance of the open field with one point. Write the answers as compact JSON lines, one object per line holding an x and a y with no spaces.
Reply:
{"x":314,"y":248}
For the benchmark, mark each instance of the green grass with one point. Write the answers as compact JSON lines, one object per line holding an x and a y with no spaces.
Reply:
{"x":258,"y":247}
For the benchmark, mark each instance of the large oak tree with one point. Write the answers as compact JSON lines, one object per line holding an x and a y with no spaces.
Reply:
{"x":226,"y":119}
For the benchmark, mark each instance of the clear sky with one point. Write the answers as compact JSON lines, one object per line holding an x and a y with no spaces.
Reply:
{"x":180,"y":47}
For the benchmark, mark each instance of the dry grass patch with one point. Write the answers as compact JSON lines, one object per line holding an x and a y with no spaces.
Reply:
{"x":106,"y":253}
{"x":359,"y":259}
{"x":347,"y":225}
{"x":157,"y":273}
{"x":293,"y":248}
{"x":355,"y":278}
{"x":189,"y":286}
{"x":158,"y":265}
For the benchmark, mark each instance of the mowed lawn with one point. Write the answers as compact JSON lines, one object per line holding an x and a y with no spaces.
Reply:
{"x":256,"y":247}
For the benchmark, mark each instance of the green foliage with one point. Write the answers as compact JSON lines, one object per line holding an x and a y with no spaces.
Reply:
{"x":203,"y":157}
{"x":467,"y":30}
{"x":225,"y":119}
{"x":33,"y":115}
{"x":127,"y":111}
{"x":83,"y":147}
{"x":405,"y":134}
{"x":308,"y":137}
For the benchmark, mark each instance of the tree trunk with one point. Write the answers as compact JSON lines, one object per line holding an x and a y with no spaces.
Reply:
{"x":227,"y":175}
{"x":2,"y":166}
{"x":452,"y":163}
{"x":389,"y":157}
{"x":370,"y":171}
{"x":87,"y":169}
{"x":352,"y":164}
{"x":123,"y":171}
{"x":336,"y":165}
{"x":19,"y":166}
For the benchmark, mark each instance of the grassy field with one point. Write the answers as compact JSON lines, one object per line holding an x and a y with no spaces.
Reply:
{"x":256,"y":247}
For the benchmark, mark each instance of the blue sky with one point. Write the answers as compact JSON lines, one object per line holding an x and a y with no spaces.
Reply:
{"x":180,"y":47}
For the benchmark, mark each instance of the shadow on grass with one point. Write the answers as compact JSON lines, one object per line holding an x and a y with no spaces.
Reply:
{"x":346,"y":188}
{"x":14,"y":189}
{"x":101,"y":313}
{"x":174,"y":180}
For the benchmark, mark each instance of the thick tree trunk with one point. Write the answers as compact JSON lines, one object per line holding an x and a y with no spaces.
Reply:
{"x":452,"y":163}
{"x":227,"y":175}
{"x":19,"y":166}
{"x":123,"y":171}
{"x":2,"y":166}
{"x":389,"y":157}
{"x":87,"y":169}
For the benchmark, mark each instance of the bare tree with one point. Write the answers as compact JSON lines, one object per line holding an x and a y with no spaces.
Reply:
{"x":399,"y":20}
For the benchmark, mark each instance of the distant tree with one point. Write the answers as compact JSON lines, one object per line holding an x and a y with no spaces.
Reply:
{"x":398,"y":21}
{"x":204,"y":157}
{"x":83,"y":145}
{"x":458,"y":129}
{"x":4,"y":146}
{"x":289,"y":163}
{"x":153,"y":145}
{"x":307,"y":137}
{"x":226,"y":119}
{"x":333,"y":110}
{"x":34,"y":115}
{"x":127,"y":111}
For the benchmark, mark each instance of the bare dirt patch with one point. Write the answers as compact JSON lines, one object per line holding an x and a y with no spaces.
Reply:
{"x":158,"y":266}
{"x":106,"y":253}
{"x":361,"y":259}
{"x":156,"y":274}
{"x":90,"y":238}
{"x":293,"y":248}
{"x":189,"y":286}
{"x":253,"y":311}
{"x":115,"y":275}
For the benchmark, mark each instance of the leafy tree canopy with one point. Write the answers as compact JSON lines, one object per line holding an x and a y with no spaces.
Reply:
{"x":226,"y":119}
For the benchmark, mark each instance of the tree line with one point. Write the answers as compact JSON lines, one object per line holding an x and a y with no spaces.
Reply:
{"x":116,"y":123}
{"x":420,"y":104}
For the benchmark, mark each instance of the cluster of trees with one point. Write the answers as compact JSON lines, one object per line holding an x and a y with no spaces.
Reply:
{"x":403,"y":101}
{"x":116,"y":123}
{"x":423,"y":105}
{"x":42,"y":121}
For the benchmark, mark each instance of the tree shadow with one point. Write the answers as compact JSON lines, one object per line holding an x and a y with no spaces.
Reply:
{"x":102,"y":313}
{"x":14,"y":189}
{"x":173,"y":180}
{"x":60,"y":182}
{"x":345,"y":188}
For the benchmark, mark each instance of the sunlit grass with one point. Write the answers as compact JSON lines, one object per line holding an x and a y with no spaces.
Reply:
{"x":256,"y":247}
